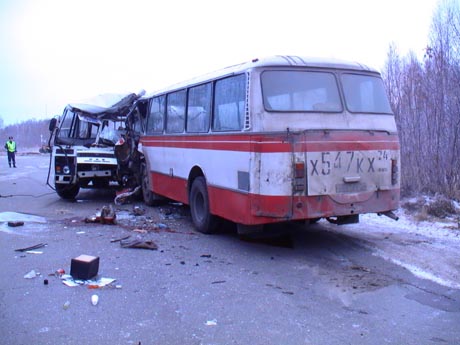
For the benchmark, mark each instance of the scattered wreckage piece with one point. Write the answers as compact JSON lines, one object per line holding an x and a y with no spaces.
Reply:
{"x":84,"y":267}
{"x":123,"y":195}
{"x":138,"y":211}
{"x":149,"y":244}
{"x":40,"y":245}
{"x":106,"y":216}
{"x":14,"y":224}
{"x":120,"y":239}
{"x":98,"y":283}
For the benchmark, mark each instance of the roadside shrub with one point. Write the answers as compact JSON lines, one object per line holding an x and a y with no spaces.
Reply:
{"x":441,"y":208}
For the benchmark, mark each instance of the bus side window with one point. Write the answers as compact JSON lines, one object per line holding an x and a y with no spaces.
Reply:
{"x":198,"y":108}
{"x":155,"y":122}
{"x":229,"y":103}
{"x":175,"y":112}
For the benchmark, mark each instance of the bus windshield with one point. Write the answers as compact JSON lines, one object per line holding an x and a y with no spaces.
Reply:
{"x":365,"y":94}
{"x":76,"y":131}
{"x":300,"y":91}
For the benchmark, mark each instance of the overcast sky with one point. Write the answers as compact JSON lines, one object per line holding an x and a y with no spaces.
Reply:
{"x":53,"y":52}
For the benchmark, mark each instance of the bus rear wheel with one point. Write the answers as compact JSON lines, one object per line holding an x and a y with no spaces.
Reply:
{"x":203,"y":220}
{"x":67,"y":191}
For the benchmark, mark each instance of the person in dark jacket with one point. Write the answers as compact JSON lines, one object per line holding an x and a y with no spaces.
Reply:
{"x":10,"y":147}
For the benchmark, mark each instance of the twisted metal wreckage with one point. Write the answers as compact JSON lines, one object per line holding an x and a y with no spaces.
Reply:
{"x":91,"y":147}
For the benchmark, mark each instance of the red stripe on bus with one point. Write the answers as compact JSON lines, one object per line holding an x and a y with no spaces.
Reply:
{"x":312,"y":142}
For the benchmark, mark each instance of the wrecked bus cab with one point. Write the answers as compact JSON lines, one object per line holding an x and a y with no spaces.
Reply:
{"x":83,"y":140}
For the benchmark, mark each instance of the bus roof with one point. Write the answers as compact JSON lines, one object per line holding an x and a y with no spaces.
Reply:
{"x":273,"y":61}
{"x":106,"y":106}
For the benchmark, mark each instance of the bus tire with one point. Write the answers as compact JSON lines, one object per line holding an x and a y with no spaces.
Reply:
{"x":203,"y":220}
{"x":150,"y":198}
{"x":67,"y":191}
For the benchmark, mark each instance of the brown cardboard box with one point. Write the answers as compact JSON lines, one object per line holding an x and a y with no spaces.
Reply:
{"x":84,"y":267}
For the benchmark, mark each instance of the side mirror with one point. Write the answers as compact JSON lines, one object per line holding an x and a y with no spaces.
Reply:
{"x":52,"y":125}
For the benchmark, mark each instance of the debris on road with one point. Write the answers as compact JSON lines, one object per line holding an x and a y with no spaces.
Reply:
{"x":120,"y":239}
{"x":68,"y":280}
{"x":360,"y":268}
{"x":141,"y":244}
{"x":92,"y":219}
{"x":59,"y":272}
{"x":123,"y":195}
{"x":174,"y":212}
{"x":106,"y":216}
{"x":15,"y":224}
{"x":27,"y":249}
{"x":32,"y":274}
{"x":141,"y":231}
{"x":84,"y":267}
{"x":138,"y":211}
{"x":94,"y":299}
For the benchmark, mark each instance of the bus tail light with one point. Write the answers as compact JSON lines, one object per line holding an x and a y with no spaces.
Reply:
{"x":394,"y":171}
{"x":299,"y":174}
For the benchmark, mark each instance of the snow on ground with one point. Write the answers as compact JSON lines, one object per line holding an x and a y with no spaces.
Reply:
{"x":428,"y":249}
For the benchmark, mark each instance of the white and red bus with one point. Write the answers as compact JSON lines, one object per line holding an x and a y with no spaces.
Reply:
{"x":272,"y":140}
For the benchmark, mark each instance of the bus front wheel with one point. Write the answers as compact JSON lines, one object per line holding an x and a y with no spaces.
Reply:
{"x":67,"y":191}
{"x":203,"y":220}
{"x":150,"y":198}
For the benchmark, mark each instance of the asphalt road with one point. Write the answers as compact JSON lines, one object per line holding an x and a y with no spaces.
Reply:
{"x":312,"y":286}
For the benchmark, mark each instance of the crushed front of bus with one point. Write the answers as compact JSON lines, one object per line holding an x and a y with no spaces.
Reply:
{"x":84,"y":140}
{"x":345,"y":153}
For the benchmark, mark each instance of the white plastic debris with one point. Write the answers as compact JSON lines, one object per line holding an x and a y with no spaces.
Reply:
{"x":31,"y":274}
{"x":94,"y":299}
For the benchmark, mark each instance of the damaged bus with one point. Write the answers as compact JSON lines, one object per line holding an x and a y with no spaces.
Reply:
{"x":279,"y":139}
{"x":83,"y":140}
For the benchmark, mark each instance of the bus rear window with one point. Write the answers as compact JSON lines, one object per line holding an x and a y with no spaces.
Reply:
{"x":365,"y":94}
{"x":300,"y":91}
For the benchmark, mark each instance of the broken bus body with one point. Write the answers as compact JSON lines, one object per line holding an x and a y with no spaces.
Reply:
{"x":83,"y":140}
{"x":279,"y":139}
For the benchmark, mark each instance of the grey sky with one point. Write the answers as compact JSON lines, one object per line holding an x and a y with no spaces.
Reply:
{"x":53,"y":52}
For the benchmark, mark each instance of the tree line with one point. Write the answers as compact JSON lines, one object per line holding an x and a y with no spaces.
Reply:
{"x":425,"y":97}
{"x":29,"y":135}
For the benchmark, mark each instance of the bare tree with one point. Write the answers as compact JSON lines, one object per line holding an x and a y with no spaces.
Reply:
{"x":425,"y":96}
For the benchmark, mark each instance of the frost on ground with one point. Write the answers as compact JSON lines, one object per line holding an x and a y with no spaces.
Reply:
{"x":428,"y":248}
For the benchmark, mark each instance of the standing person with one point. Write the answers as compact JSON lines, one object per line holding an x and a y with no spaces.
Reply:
{"x":10,"y":147}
